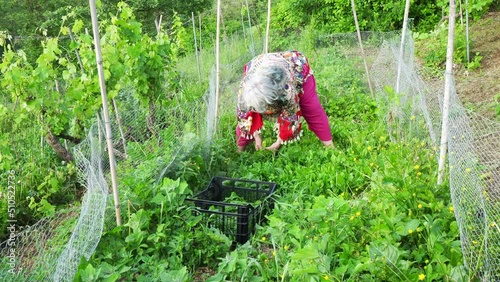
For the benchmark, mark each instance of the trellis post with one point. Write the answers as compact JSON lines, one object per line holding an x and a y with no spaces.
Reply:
{"x":102,"y":85}
{"x":448,"y":79}
{"x":361,"y":47}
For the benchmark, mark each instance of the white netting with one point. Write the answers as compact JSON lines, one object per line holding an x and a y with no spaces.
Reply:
{"x":51,"y":249}
{"x":473,"y":154}
{"x":89,"y":157}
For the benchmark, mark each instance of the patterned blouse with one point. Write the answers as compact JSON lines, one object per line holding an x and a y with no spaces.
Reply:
{"x":289,"y":117}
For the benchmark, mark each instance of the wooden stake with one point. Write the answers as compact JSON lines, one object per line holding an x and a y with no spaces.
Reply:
{"x":448,"y":79}
{"x":196,"y":48}
{"x":266,"y":46}
{"x":201,"y":45}
{"x":252,"y":46}
{"x":217,"y":66}
{"x":102,"y":85}
{"x":361,"y":47}
{"x":403,"y":39}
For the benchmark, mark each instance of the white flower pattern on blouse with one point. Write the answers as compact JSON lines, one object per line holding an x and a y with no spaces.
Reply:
{"x":287,"y":112}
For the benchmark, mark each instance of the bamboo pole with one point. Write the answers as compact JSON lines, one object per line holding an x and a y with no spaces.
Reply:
{"x":201,"y":45}
{"x":99,"y":138}
{"x":120,"y":127}
{"x":196,"y":48}
{"x":76,"y":51}
{"x":467,"y":29}
{"x":243,"y":26}
{"x":158,"y":24}
{"x":266,"y":46}
{"x":448,"y":76}
{"x":217,"y":65}
{"x":102,"y":85}
{"x":460,"y":12}
{"x":252,"y":47}
{"x":361,"y":47}
{"x":402,"y":47}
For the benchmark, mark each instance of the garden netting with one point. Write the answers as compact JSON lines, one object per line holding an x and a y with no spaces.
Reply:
{"x":52,"y":249}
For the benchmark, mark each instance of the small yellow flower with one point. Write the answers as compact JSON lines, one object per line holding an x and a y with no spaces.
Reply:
{"x":358,"y":213}
{"x":421,"y":276}
{"x":451,"y":209}
{"x":274,"y":253}
{"x":419,"y":206}
{"x":263,"y":238}
{"x":352,"y":217}
{"x":326,"y":277}
{"x":354,"y":159}
{"x":410,"y":231}
{"x":369,"y":148}
{"x":371,"y":164}
{"x":416,"y":167}
{"x":422,"y":144}
{"x":419,"y":173}
{"x":467,"y":170}
{"x":285,"y":247}
{"x":412,"y":117}
{"x":342,"y":194}
{"x":475,"y":242}
{"x":493,"y":224}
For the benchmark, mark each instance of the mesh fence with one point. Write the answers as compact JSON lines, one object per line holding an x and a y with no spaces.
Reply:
{"x":473,"y":155}
{"x":166,"y":132}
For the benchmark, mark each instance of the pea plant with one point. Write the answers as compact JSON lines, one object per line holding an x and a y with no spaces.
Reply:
{"x":368,"y":210}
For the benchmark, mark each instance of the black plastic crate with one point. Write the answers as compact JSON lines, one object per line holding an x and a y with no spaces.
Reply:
{"x":235,"y":206}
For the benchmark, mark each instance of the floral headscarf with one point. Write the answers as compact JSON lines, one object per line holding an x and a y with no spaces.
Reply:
{"x":289,"y":122}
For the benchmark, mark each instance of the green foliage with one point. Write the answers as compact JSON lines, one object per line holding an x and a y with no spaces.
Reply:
{"x":426,"y":15}
{"x":160,"y":236}
{"x":478,"y":8}
{"x":432,"y":47}
{"x":40,"y":183}
{"x":58,"y":94}
{"x":366,"y":211}
{"x":337,"y":16}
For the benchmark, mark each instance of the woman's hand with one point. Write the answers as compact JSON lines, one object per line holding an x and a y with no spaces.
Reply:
{"x":275,"y":146}
{"x":328,"y":144}
{"x":258,"y":141}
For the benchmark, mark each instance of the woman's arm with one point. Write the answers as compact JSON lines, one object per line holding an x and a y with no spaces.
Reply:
{"x":249,"y":123}
{"x":275,"y":146}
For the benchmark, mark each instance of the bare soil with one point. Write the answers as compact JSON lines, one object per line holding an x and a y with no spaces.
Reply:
{"x":479,"y":90}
